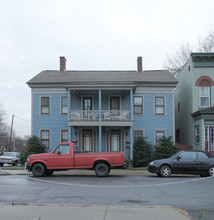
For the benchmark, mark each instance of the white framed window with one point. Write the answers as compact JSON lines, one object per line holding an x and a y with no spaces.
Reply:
{"x":45,"y":137}
{"x":204,"y":93}
{"x":64,"y":135}
{"x":137,"y":134}
{"x":197,"y":134}
{"x":64,"y":104}
{"x":159,"y":105}
{"x":45,"y":105}
{"x":138,"y":105}
{"x":158,"y":136}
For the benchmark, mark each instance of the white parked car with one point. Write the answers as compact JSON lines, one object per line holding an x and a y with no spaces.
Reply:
{"x":10,"y":158}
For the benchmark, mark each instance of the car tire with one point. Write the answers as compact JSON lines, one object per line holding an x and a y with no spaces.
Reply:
{"x":49,"y":172}
{"x":38,"y":169}
{"x":165,"y":171}
{"x":102,"y":169}
{"x":1,"y":164}
{"x":158,"y":174}
{"x":211,"y":171}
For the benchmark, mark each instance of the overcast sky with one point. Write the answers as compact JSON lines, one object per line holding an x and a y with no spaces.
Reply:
{"x":92,"y":35}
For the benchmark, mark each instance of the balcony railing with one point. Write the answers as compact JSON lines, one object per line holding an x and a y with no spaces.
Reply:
{"x":106,"y":115}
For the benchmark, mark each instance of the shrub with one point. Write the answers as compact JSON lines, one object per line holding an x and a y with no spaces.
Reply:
{"x":166,"y":148}
{"x":141,"y":152}
{"x":33,"y":146}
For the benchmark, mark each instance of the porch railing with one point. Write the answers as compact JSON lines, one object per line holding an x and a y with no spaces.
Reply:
{"x":106,"y":115}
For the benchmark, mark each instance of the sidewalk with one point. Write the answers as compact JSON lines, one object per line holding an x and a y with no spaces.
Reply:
{"x":56,"y":212}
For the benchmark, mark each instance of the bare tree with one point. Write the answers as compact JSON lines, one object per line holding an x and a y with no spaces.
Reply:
{"x":4,"y":132}
{"x":206,"y":44}
{"x":176,"y":62}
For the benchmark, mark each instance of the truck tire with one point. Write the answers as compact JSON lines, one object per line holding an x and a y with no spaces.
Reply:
{"x":49,"y":172}
{"x":15,"y":163}
{"x":38,"y":169}
{"x":101,"y":169}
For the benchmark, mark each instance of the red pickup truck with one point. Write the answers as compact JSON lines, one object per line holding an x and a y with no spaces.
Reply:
{"x":66,"y":156}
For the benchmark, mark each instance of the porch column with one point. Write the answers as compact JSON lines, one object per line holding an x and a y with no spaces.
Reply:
{"x":69,"y":114}
{"x":100,"y":139}
{"x":100,"y":105}
{"x":131,"y":143}
{"x":131,"y":103}
{"x":131,"y":127}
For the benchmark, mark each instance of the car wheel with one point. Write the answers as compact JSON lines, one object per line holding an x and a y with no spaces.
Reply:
{"x":211,"y":171}
{"x":165,"y":171}
{"x":1,"y":164}
{"x":15,"y":163}
{"x":38,"y":169}
{"x":49,"y":172}
{"x":102,"y":169}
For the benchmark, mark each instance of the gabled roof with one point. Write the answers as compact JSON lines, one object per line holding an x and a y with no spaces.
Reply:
{"x":102,"y":77}
{"x":205,"y":111}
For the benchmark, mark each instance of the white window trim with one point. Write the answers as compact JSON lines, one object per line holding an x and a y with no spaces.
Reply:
{"x":138,"y":130}
{"x":204,"y":96}
{"x":155,"y":135}
{"x":40,"y":137}
{"x":63,"y":96}
{"x":160,"y":96}
{"x":40,"y":104}
{"x":142,"y":104}
{"x":197,"y":126}
{"x":63,"y":129}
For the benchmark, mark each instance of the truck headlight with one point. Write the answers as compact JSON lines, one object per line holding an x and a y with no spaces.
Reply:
{"x":28,"y":159}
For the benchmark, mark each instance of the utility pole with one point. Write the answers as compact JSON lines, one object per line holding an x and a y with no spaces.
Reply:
{"x":11,"y":134}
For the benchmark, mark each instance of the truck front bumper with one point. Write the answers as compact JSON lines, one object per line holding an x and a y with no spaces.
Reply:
{"x":28,"y":167}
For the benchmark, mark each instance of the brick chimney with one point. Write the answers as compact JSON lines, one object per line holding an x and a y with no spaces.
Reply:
{"x":139,"y":64}
{"x":62,"y":64}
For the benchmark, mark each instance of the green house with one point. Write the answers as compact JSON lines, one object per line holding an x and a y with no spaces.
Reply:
{"x":194,"y":103}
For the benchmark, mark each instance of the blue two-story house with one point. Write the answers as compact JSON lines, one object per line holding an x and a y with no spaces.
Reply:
{"x":104,"y":111}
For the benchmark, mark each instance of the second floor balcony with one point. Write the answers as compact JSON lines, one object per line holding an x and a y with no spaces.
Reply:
{"x":104,"y":116}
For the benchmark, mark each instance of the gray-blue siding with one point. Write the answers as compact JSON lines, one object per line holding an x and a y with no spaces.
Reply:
{"x":149,"y":122}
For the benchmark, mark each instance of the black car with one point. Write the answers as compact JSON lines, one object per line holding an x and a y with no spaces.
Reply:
{"x":184,"y":162}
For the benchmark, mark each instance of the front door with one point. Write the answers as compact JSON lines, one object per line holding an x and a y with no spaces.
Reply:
{"x":115,"y":103}
{"x":87,"y":141}
{"x":115,"y":141}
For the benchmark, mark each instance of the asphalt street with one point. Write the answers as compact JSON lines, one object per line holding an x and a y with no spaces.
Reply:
{"x":190,"y":193}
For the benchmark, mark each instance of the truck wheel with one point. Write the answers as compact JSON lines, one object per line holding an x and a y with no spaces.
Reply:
{"x":49,"y":172}
{"x":102,"y":169}
{"x":38,"y":169}
{"x":15,"y":163}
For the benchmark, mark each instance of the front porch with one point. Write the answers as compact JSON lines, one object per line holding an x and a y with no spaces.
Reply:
{"x":113,"y":139}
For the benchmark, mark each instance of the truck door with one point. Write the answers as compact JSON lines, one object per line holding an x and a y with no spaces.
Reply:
{"x":62,"y":157}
